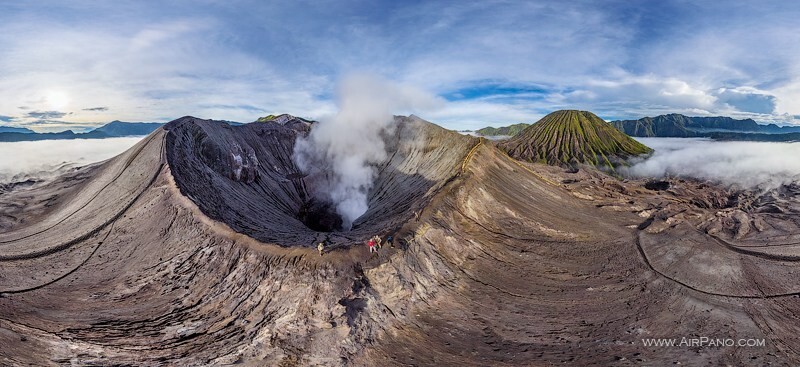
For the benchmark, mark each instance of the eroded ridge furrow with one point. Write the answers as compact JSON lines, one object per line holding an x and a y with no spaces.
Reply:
{"x":94,"y":231}
{"x":135,"y":154}
{"x":693,"y":288}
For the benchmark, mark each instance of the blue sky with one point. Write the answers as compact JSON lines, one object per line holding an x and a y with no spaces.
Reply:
{"x":78,"y":63}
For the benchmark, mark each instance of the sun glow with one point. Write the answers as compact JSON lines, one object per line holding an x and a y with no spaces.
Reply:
{"x":56,"y":100}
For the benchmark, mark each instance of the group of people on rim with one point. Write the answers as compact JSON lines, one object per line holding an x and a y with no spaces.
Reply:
{"x":374,"y":244}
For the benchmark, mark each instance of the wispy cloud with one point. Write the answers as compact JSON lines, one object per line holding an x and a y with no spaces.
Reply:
{"x":47,"y":114}
{"x":234,"y":107}
{"x":96,"y":109}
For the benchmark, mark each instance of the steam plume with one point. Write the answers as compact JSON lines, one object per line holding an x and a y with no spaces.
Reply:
{"x":742,"y":164}
{"x":346,"y":146}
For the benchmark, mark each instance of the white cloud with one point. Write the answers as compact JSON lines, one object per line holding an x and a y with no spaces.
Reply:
{"x":788,"y":98}
{"x":38,"y":159}
{"x":747,"y":99}
{"x":743,"y":164}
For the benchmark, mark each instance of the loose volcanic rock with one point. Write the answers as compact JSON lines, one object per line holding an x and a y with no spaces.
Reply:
{"x":657,"y":185}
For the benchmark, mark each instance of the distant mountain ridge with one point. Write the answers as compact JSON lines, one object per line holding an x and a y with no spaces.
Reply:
{"x":680,"y":126}
{"x":119,"y":128}
{"x":734,"y":136}
{"x":12,"y":129}
{"x":114,"y":129}
{"x":510,"y":130}
{"x":64,"y":135}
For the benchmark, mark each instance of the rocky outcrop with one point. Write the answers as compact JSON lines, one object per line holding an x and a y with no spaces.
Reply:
{"x":292,"y":122}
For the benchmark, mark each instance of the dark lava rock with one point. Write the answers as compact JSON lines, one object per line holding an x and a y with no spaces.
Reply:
{"x":320,"y":216}
{"x":16,"y":185}
{"x":657,"y":185}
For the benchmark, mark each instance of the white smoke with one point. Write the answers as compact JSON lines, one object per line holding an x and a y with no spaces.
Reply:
{"x":346,"y":146}
{"x":20,"y":161}
{"x":742,"y":164}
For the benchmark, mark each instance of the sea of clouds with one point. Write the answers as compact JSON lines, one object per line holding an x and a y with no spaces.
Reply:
{"x":41,"y":159}
{"x":742,"y":164}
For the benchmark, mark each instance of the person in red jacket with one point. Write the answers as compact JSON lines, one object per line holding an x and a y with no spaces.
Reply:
{"x":372,"y":249}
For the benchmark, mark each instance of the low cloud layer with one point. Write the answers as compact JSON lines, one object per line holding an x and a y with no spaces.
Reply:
{"x":742,"y":164}
{"x":39,"y":159}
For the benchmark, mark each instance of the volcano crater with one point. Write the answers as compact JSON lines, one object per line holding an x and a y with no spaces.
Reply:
{"x":245,"y":176}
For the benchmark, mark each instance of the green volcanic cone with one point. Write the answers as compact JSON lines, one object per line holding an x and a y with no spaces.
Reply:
{"x":570,"y":137}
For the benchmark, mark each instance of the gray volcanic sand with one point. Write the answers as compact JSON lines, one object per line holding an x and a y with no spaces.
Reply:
{"x":178,"y":253}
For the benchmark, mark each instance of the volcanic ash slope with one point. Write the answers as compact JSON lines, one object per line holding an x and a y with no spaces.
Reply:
{"x":188,"y":249}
